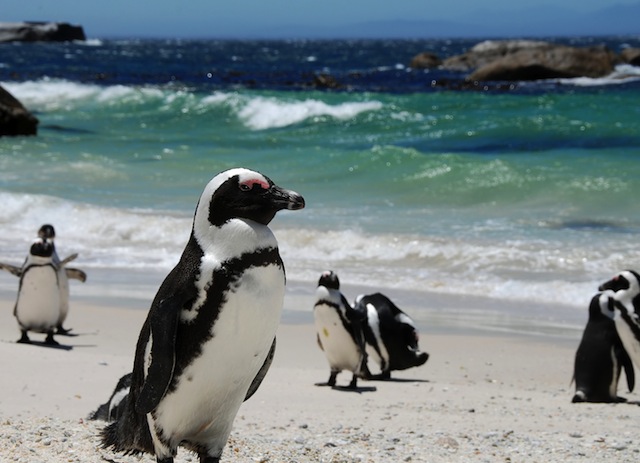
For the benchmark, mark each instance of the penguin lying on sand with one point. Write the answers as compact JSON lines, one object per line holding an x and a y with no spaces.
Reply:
{"x":339,"y":331}
{"x":626,"y":286}
{"x":112,"y":408}
{"x":601,"y":356}
{"x":390,"y":334}
{"x":209,"y":337}
{"x":38,"y":304}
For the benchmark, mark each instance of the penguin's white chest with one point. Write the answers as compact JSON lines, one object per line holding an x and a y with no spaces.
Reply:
{"x":38,"y":303}
{"x":211,"y":389}
{"x":339,"y":347}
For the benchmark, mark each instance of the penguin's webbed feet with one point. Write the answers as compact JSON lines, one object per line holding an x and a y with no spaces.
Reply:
{"x":63,"y":331}
{"x":24,"y":339}
{"x":331,"y":382}
{"x":50,"y":341}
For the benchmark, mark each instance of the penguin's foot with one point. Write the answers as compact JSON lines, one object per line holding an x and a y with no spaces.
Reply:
{"x":209,"y":459}
{"x":331,"y":382}
{"x":50,"y":341}
{"x":63,"y":331}
{"x":383,"y":376}
{"x":24,"y":339}
{"x":354,"y":382}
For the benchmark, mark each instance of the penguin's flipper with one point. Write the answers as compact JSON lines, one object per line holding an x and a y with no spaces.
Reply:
{"x":12,"y":269}
{"x":68,"y":259}
{"x":163,"y":326}
{"x":255,"y":384}
{"x":75,"y":274}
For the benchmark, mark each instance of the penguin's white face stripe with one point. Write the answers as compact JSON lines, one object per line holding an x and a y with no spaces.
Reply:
{"x":603,"y":302}
{"x":201,"y":225}
{"x":625,"y":296}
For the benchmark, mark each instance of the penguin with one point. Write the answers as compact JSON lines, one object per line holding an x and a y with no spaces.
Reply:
{"x":209,"y":336}
{"x":601,"y":356}
{"x":626,"y":286}
{"x":47,"y":231}
{"x":65,"y":273}
{"x":339,"y":331}
{"x":37,"y":306}
{"x":391,"y":335}
{"x":112,"y":409}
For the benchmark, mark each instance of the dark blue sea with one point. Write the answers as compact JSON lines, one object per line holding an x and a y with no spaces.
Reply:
{"x":413,"y":179}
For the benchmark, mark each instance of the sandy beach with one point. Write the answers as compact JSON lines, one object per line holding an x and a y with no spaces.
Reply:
{"x":484,"y":395}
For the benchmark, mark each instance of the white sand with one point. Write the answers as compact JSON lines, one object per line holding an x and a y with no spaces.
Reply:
{"x":480,"y":397}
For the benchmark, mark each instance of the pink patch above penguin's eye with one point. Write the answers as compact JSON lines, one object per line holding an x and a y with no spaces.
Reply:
{"x":249,"y":184}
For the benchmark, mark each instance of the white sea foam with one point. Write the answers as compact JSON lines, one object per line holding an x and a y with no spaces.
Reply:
{"x":56,"y":94}
{"x":622,"y":74}
{"x":261,"y":113}
{"x":534,"y":271}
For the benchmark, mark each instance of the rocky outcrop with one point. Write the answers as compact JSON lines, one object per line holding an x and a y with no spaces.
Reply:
{"x":14,"y":118}
{"x":489,"y":51}
{"x":425,"y":61}
{"x":516,"y":60}
{"x":631,"y":56}
{"x":40,"y":32}
{"x":548,"y":62}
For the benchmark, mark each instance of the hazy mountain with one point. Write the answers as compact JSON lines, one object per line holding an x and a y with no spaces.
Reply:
{"x":539,"y":21}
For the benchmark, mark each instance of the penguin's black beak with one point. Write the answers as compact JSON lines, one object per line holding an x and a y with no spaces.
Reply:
{"x":285,"y":199}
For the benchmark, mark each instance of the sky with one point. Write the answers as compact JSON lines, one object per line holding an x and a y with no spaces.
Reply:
{"x":234,"y":18}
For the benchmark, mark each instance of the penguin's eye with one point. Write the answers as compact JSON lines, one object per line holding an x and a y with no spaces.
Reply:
{"x":245,"y":187}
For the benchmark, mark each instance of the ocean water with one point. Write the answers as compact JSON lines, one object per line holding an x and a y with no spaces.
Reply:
{"x":526,"y":193}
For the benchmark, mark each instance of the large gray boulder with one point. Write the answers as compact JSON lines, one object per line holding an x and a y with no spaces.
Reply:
{"x":515,"y":60}
{"x":488,"y":51}
{"x":40,"y":32}
{"x":15,"y":119}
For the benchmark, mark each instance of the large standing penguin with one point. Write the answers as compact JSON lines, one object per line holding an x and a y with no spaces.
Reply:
{"x":601,"y":356}
{"x":391,"y":335}
{"x":209,"y":337}
{"x":339,"y":331}
{"x":626,"y":286}
{"x":38,"y":304}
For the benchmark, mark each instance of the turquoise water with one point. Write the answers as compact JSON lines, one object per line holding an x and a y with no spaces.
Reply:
{"x":526,"y":195}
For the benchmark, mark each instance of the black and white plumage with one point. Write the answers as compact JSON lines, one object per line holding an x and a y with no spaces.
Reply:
{"x":112,"y":409}
{"x":37,"y":306}
{"x":391,"y":335}
{"x":339,"y":331}
{"x":626,"y":286}
{"x":601,"y":356}
{"x":209,"y":337}
{"x":47,"y":232}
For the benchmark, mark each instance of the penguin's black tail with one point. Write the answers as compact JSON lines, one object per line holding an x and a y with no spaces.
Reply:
{"x":129,"y":434}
